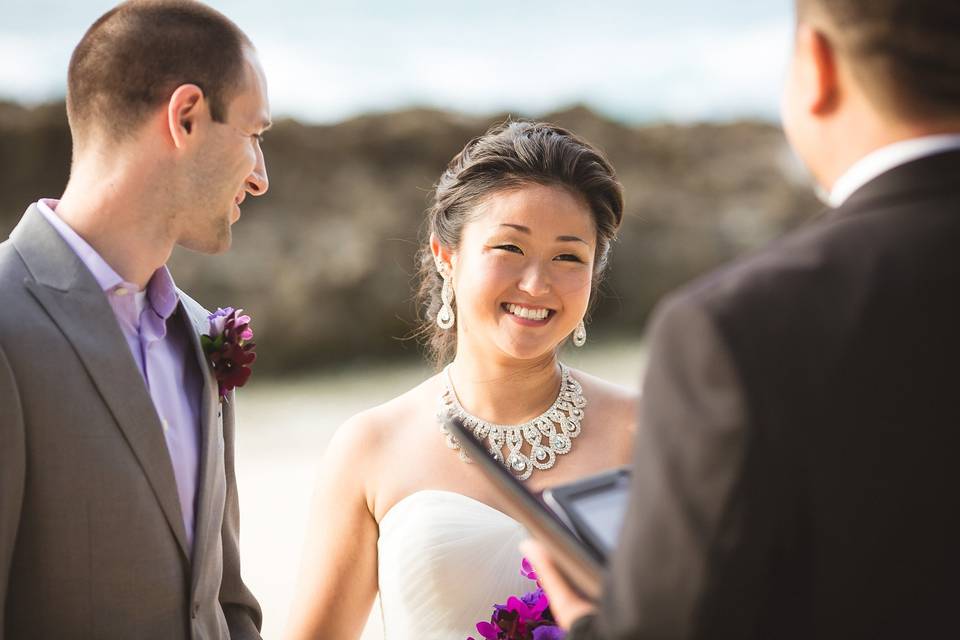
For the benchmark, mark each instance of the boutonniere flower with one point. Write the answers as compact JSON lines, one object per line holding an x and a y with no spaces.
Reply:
{"x":229,"y":348}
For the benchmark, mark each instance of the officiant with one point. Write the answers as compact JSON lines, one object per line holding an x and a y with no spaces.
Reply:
{"x":794,"y":471}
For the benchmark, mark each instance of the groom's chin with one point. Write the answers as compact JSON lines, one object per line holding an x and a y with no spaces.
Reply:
{"x":223,"y":242}
{"x":212,"y":243}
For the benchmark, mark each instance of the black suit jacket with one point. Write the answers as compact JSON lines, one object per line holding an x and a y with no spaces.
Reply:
{"x":796,"y":463}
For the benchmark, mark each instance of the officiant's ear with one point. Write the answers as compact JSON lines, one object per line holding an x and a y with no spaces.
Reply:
{"x":441,"y":254}
{"x":183,"y":110}
{"x":817,"y":72}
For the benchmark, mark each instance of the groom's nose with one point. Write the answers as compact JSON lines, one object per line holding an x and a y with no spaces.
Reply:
{"x":257,"y":181}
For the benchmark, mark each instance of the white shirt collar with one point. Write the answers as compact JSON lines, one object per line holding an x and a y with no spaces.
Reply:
{"x":885,"y":158}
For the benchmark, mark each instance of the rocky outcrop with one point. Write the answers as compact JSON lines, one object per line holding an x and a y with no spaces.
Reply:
{"x":324,"y":262}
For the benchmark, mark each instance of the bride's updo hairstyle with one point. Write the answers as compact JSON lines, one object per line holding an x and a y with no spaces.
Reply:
{"x":509,"y":156}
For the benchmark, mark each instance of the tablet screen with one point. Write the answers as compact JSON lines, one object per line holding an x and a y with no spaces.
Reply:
{"x":603,"y":510}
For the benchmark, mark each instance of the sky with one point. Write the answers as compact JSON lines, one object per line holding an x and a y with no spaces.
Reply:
{"x":637,"y":61}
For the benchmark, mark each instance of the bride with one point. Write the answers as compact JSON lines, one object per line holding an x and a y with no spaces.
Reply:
{"x":519,"y":231}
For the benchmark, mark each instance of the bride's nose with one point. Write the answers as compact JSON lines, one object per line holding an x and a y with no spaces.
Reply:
{"x":534,"y":280}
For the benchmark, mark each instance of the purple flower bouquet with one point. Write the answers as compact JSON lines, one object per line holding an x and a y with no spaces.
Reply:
{"x":525,"y":618}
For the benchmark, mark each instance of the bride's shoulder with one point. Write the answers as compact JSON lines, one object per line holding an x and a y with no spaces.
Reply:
{"x":613,"y":407}
{"x":370,"y":430}
{"x":614,"y":398}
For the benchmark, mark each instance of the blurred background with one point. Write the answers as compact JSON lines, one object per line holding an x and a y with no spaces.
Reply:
{"x":370,"y":100}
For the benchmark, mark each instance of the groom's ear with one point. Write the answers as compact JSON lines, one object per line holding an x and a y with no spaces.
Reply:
{"x":819,"y":88}
{"x":183,"y":110}
{"x":441,"y":254}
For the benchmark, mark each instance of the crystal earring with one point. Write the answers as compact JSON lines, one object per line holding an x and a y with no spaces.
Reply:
{"x":445,"y":317}
{"x":580,"y":335}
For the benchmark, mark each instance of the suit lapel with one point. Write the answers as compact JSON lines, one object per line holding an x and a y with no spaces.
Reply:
{"x":196,"y":323}
{"x":75,"y":302}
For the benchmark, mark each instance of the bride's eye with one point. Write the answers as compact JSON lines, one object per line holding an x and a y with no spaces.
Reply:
{"x":509,"y":247}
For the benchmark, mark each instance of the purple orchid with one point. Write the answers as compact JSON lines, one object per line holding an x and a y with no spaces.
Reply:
{"x":536,"y":603}
{"x":488,"y":630}
{"x":526,"y":570}
{"x":229,"y":348}
{"x":549,"y":632}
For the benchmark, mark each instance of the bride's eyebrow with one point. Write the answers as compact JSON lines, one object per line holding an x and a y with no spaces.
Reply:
{"x":572,"y":239}
{"x":523,"y":229}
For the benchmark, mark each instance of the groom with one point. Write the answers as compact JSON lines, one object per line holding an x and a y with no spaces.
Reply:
{"x":118,"y":500}
{"x":796,"y":468}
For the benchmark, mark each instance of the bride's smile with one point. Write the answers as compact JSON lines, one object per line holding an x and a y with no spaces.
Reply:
{"x":528,"y":316}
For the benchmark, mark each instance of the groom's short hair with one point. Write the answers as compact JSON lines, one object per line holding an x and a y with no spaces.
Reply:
{"x":132,"y":59}
{"x":904,"y":53}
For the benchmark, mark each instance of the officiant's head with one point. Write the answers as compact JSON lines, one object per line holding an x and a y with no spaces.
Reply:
{"x":868,"y":73}
{"x":517,"y":238}
{"x":170,"y":95}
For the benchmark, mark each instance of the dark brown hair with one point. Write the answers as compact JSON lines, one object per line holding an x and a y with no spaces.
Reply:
{"x":132,"y":59}
{"x":905,"y":53}
{"x":508,"y":156}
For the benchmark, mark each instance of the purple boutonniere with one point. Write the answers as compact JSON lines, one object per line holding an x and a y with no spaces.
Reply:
{"x":229,"y":348}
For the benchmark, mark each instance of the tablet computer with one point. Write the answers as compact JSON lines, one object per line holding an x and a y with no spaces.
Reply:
{"x":580,"y":562}
{"x":594,"y":507}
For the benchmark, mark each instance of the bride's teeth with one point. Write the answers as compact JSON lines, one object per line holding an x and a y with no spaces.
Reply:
{"x":530,"y":314}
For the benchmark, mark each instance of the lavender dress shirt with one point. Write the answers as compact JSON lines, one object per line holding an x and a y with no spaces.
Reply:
{"x":162,"y":351}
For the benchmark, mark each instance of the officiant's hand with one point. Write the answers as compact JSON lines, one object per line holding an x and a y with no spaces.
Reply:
{"x":567,"y":605}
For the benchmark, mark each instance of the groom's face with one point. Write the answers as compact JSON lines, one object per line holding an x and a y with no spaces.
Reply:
{"x":229,"y":166}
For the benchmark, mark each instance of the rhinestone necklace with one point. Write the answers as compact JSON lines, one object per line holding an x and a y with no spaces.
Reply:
{"x":559,"y":425}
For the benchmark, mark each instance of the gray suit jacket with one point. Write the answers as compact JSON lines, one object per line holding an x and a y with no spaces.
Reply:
{"x":92,"y":542}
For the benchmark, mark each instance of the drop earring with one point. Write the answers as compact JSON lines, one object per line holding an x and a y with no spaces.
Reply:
{"x":580,"y":335}
{"x":445,"y":317}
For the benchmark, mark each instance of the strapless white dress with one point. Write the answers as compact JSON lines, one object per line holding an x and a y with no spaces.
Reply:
{"x":444,"y":560}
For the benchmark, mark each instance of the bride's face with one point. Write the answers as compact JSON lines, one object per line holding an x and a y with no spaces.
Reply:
{"x":523,"y":271}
